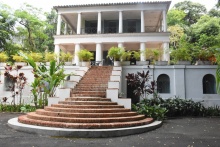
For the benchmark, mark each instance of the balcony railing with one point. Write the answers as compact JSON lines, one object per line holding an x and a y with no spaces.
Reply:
{"x":130,"y":29}
{"x":110,"y":30}
{"x":89,"y":30}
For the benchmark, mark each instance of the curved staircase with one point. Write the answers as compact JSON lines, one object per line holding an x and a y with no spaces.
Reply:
{"x":87,"y":108}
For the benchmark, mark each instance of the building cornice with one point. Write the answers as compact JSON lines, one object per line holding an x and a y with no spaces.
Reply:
{"x":112,"y":4}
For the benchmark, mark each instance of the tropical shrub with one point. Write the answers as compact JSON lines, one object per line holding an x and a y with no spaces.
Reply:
{"x":85,"y":55}
{"x":127,"y":55}
{"x":49,"y":56}
{"x":37,"y":57}
{"x":3,"y":57}
{"x":46,"y":78}
{"x":66,"y":57}
{"x":116,"y":53}
{"x":17,"y":58}
{"x":181,"y":54}
{"x":155,"y":112}
{"x":175,"y":106}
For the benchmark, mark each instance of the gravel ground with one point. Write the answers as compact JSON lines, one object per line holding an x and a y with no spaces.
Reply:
{"x":181,"y":132}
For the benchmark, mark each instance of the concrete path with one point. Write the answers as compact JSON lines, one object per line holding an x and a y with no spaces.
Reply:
{"x":181,"y":132}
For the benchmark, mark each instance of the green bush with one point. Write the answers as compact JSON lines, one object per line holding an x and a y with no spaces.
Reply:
{"x":159,"y":108}
{"x":16,"y":108}
{"x":156,"y":112}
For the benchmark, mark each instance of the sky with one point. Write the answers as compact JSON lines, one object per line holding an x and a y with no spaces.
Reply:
{"x":46,"y":5}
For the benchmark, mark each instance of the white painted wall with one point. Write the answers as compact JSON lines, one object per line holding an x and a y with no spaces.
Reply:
{"x":27,"y":70}
{"x":185,"y":81}
{"x":181,"y":77}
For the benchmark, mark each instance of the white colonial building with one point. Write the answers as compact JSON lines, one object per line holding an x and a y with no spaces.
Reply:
{"x":98,"y":27}
{"x":134,"y":26}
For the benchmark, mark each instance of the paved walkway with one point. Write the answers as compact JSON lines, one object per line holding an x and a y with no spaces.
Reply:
{"x":182,"y":132}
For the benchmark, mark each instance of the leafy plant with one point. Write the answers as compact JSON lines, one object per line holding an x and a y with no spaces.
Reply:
{"x":66,"y":57}
{"x":3,"y":57}
{"x":156,"y":112}
{"x":18,"y":81}
{"x":17,"y":58}
{"x":175,"y":106}
{"x":127,"y":55}
{"x":153,"y":54}
{"x":140,"y":83}
{"x":181,"y":54}
{"x":37,"y":57}
{"x":116,"y":53}
{"x":49,"y":56}
{"x":202,"y":54}
{"x":85,"y":55}
{"x":17,"y":108}
{"x":48,"y":78}
{"x":217,"y":56}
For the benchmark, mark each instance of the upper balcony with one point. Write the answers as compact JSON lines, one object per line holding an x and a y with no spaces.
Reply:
{"x":113,"y":18}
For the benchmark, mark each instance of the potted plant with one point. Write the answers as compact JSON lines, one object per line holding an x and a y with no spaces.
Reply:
{"x":181,"y":56}
{"x":85,"y":56}
{"x":66,"y":58}
{"x":49,"y":56}
{"x":157,"y":55}
{"x":203,"y":56}
{"x":115,"y":53}
{"x":3,"y":58}
{"x":18,"y":60}
{"x":125,"y":58}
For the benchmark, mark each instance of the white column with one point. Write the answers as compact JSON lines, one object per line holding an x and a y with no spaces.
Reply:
{"x":164,"y":21}
{"x":65,"y":29}
{"x":166,"y":52}
{"x":99,"y":26}
{"x":121,"y":44}
{"x":57,"y":51}
{"x":58,"y":24}
{"x":120,"y":28}
{"x":142,"y":22}
{"x":77,"y":49}
{"x":79,"y":24}
{"x":142,"y":50}
{"x":98,"y":52}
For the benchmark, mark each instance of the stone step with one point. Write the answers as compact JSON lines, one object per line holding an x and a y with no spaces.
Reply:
{"x":87,"y":99}
{"x":89,"y":89}
{"x":87,"y":106}
{"x":34,"y":115}
{"x":91,"y":85}
{"x":88,"y":102}
{"x":84,"y":115}
{"x":26,"y":120}
{"x":88,"y":93}
{"x":86,"y":110}
{"x":92,"y":82}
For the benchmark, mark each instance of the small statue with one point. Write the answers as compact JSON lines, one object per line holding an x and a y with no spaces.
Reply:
{"x":132,"y":59}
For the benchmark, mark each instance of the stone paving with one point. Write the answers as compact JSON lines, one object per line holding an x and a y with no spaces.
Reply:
{"x":181,"y":132}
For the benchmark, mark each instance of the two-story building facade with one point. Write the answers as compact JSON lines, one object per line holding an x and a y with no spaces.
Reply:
{"x":98,"y":27}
